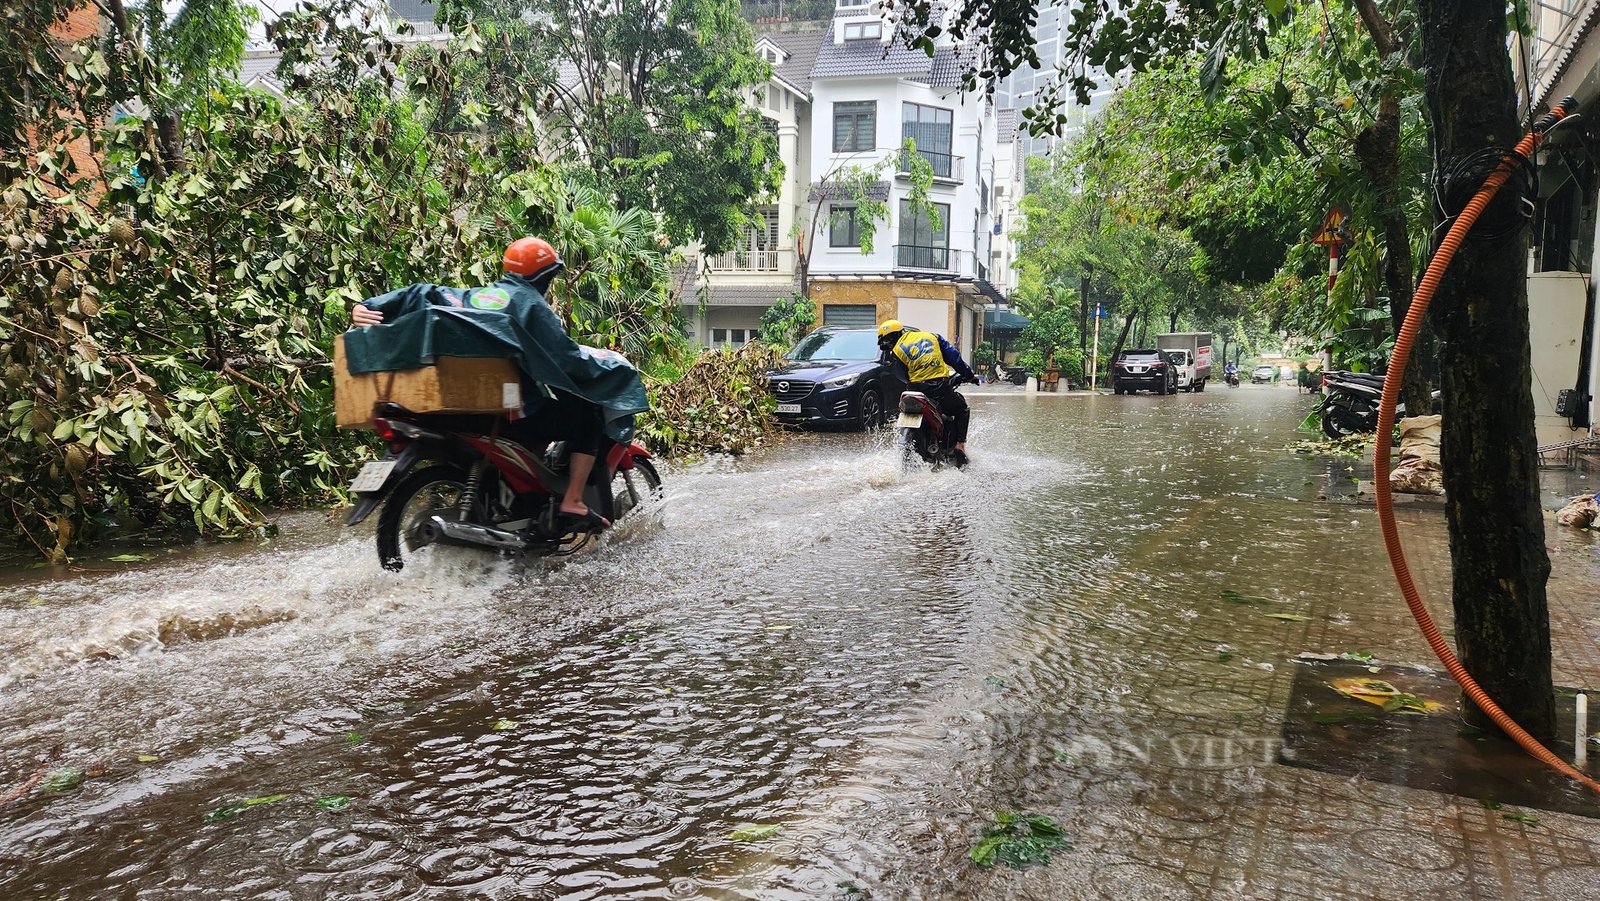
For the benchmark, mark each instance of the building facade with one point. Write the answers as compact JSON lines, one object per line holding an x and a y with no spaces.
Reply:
{"x":1562,"y":58}
{"x":846,"y":99}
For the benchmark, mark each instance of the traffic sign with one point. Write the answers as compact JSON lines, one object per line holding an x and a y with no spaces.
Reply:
{"x":1333,"y":229}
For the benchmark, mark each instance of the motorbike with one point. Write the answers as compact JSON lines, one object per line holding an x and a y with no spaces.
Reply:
{"x":1232,"y":379}
{"x":1349,"y":403}
{"x":452,"y":480}
{"x":923,"y":431}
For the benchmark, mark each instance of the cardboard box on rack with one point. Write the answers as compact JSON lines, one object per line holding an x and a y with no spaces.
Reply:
{"x":450,"y":385}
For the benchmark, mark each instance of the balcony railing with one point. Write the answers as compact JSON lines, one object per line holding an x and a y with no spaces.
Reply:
{"x":916,"y":256}
{"x":945,"y":166}
{"x":747,"y":261}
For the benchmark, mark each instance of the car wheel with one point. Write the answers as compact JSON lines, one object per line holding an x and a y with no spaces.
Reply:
{"x":1201,"y":385}
{"x":871,"y":407}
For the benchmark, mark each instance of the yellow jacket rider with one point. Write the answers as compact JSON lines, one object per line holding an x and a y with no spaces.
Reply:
{"x":925,"y":360}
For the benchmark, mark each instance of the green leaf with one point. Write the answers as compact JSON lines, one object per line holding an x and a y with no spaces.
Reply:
{"x":334,"y":802}
{"x":1291,"y":617}
{"x":127,"y":558}
{"x":1525,"y":818}
{"x":753,"y":833}
{"x":504,"y":725}
{"x":268,"y":799}
{"x":61,"y":780}
{"x":148,"y":758}
{"x":353,"y":738}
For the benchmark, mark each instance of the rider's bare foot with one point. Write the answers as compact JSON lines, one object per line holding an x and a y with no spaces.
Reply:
{"x":583,"y":514}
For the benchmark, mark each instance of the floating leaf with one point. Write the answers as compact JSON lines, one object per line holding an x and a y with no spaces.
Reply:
{"x":148,"y":758}
{"x":504,"y":725}
{"x":353,"y":738}
{"x":268,"y":799}
{"x":1234,"y":597}
{"x":1224,"y":656}
{"x":1019,"y":840}
{"x":1525,"y":818}
{"x":334,"y":802}
{"x":1291,"y":617}
{"x":225,"y":812}
{"x":1357,"y":656}
{"x":61,"y":780}
{"x":1488,"y":804}
{"x":753,"y":833}
{"x":127,"y":558}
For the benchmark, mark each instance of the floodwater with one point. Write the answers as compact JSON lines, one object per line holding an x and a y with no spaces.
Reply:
{"x":870,"y":662}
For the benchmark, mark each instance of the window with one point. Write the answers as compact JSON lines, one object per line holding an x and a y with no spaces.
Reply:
{"x":843,"y":230}
{"x":922,"y":246}
{"x":772,"y":97}
{"x":855,"y":126}
{"x":735,"y":337}
{"x":851,"y":316}
{"x":932,"y":129}
{"x":863,"y":31}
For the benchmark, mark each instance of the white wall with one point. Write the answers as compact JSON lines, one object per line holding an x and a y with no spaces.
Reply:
{"x":972,"y":118}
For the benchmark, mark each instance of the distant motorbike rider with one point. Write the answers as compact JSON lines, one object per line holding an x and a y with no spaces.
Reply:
{"x":531,"y":264}
{"x":925,"y":360}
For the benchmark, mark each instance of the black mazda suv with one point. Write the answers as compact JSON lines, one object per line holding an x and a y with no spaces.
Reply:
{"x":1143,"y":370}
{"x":833,"y":378}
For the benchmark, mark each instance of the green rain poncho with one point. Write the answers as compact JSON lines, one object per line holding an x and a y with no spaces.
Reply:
{"x":508,"y":320}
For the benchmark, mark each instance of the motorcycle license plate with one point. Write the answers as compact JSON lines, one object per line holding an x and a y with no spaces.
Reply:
{"x":909,"y":421}
{"x":372,"y":476}
{"x":788,"y":408}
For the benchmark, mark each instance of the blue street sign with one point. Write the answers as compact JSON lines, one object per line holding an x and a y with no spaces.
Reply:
{"x":1099,"y":311}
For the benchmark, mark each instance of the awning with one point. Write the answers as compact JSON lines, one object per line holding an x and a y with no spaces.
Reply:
{"x":1004,"y":319}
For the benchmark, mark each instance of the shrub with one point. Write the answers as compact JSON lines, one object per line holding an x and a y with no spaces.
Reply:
{"x":720,"y":405}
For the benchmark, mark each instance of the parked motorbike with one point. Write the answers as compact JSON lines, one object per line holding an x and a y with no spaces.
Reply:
{"x":1349,"y":403}
{"x":923,"y":430}
{"x":451,"y":480}
{"x":1232,"y":379}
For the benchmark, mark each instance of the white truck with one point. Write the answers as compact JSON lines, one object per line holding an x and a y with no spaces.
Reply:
{"x":1190,"y":352}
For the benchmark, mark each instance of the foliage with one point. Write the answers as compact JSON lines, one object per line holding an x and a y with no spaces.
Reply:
{"x":1019,"y":841}
{"x":720,"y":405}
{"x":983,"y":355}
{"x":1032,"y":360}
{"x":164,"y":333}
{"x":787,"y":321}
{"x":652,"y":97}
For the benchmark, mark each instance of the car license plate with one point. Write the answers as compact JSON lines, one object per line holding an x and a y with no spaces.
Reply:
{"x":909,"y":421}
{"x":372,"y":476}
{"x":788,"y":408}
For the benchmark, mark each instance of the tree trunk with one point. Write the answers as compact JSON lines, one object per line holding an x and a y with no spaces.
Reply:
{"x":1083,"y":316}
{"x":1172,"y":320}
{"x":1122,"y":339}
{"x":1498,"y":561}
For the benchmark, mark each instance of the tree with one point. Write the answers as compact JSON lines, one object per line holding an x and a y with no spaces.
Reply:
{"x":653,"y":95}
{"x":1499,"y":566}
{"x":862,"y":187}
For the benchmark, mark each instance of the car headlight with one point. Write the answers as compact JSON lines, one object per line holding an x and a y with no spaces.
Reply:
{"x":843,"y":381}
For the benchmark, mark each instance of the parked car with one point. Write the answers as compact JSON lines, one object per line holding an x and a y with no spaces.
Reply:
{"x":833,"y":378}
{"x":1263,"y":373}
{"x":1143,"y":370}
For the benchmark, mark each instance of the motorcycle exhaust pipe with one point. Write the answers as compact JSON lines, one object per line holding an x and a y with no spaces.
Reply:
{"x":443,"y":530}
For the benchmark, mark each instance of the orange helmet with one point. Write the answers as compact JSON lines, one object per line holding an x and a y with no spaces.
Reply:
{"x":532,"y":258}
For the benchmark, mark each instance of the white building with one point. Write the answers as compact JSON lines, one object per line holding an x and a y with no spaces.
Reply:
{"x":849,"y":97}
{"x":1563,"y":58}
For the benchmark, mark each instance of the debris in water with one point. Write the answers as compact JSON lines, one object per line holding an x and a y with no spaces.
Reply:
{"x":334,"y":802}
{"x":61,"y":780}
{"x":756,"y":832}
{"x":1019,"y":840}
{"x":1380,"y":693}
{"x":128,"y":558}
{"x":1291,"y":617}
{"x":148,"y":758}
{"x":505,"y":725}
{"x":353,"y":738}
{"x":1234,"y":597}
{"x":229,"y":811}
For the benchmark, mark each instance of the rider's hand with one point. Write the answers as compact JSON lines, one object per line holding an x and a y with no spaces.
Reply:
{"x":361,"y":314}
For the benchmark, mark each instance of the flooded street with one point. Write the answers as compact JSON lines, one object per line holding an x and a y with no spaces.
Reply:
{"x":873,"y":663}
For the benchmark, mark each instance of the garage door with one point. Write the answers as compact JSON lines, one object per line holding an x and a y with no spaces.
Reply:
{"x":844,"y":315}
{"x":928,"y":315}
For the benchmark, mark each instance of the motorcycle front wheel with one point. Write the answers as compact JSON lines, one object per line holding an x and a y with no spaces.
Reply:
{"x":633,"y":487}
{"x":402,"y":524}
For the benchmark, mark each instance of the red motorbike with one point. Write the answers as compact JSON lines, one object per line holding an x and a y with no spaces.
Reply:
{"x":451,"y":480}
{"x":922,"y":431}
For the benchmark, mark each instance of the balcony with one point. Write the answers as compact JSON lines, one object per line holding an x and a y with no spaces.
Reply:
{"x":917,"y":256}
{"x":946,"y":167}
{"x":748,"y":261}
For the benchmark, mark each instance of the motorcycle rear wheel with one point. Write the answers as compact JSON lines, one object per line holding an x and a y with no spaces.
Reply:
{"x":1337,"y":422}
{"x":420,"y":496}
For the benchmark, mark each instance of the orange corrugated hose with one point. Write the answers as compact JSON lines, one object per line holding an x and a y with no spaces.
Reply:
{"x":1386,"y":412}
